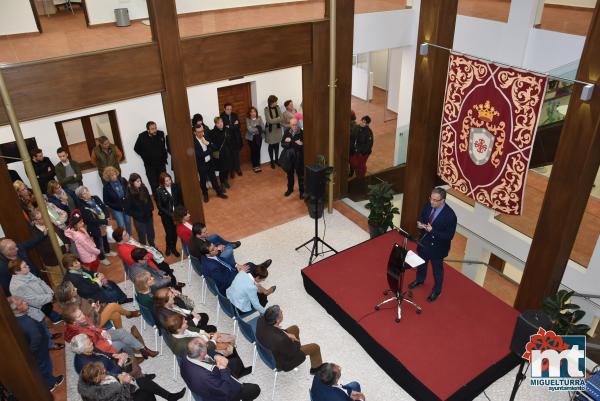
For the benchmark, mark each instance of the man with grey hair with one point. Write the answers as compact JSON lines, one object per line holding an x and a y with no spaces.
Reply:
{"x":326,"y":386}
{"x":10,"y":250}
{"x":438,"y":225}
{"x":285,"y":343}
{"x":37,"y":338}
{"x":211,"y":378}
{"x":293,"y":139}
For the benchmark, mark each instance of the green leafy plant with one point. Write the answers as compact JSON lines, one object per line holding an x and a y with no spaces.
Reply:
{"x":380,"y":206}
{"x":564,"y":314}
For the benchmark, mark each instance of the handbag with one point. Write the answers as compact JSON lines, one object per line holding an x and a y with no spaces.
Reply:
{"x":287,"y":158}
{"x":217,"y":153}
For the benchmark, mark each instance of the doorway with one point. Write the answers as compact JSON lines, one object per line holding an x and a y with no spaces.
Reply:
{"x":240,"y":97}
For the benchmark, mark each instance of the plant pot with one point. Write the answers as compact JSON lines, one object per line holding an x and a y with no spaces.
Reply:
{"x":315,"y":210}
{"x":376,"y":231}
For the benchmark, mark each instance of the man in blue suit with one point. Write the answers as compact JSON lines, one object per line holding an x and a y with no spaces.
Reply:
{"x":211,"y":378}
{"x":438,"y":225}
{"x":326,"y":387}
{"x":222,"y":271}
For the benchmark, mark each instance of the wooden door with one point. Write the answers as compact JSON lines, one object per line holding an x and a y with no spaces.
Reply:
{"x":241,"y":99}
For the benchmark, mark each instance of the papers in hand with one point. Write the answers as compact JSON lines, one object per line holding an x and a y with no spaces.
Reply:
{"x":413,"y":260}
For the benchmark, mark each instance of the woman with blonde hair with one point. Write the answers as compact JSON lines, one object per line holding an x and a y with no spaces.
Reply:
{"x":59,"y":197}
{"x":143,"y":289}
{"x":114,"y":194}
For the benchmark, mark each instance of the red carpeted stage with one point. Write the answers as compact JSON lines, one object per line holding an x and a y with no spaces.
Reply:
{"x":457,"y":347}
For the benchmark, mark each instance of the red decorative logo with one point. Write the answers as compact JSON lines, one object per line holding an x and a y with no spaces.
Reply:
{"x":480,"y":145}
{"x":544,"y":340}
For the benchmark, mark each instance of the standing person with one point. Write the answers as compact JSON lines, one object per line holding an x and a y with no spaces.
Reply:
{"x":197,"y":119}
{"x":288,"y":114}
{"x":206,"y":170}
{"x":86,"y":247}
{"x":95,"y":216}
{"x":254,"y":135}
{"x":438,"y":225}
{"x":68,"y":172}
{"x":353,"y":127}
{"x":232,"y":124}
{"x":114,"y":194}
{"x":36,"y":339}
{"x":273,"y":118}
{"x":10,"y":250}
{"x":140,"y":207}
{"x":361,"y":142}
{"x":151,"y":146}
{"x":221,"y":154}
{"x":43,"y":167}
{"x":168,"y":196}
{"x":106,"y":154}
{"x":294,"y":139}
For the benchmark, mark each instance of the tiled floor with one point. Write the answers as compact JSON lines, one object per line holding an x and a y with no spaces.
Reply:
{"x":65,"y":34}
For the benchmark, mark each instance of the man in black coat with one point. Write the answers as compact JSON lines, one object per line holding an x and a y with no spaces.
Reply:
{"x":10,"y":250}
{"x":43,"y":167}
{"x":438,"y":225}
{"x":222,"y":158}
{"x":232,"y":123}
{"x":293,"y":141}
{"x":151,"y":146}
{"x":37,"y":339}
{"x":204,"y":164}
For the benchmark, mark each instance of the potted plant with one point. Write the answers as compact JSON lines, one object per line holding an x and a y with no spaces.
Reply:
{"x":316,"y":206}
{"x":381,"y":209}
{"x":564,"y":314}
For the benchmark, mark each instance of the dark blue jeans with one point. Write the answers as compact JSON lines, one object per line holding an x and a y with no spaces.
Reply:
{"x":437,"y":266}
{"x":114,"y":293}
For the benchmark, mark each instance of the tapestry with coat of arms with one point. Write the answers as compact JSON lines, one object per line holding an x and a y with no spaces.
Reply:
{"x":489,"y":121}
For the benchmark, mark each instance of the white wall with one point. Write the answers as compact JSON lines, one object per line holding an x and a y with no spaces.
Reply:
{"x":102,"y":11}
{"x":285,"y":84}
{"x":16,"y":16}
{"x":379,"y":66}
{"x":395,"y":70}
{"x":384,"y":30}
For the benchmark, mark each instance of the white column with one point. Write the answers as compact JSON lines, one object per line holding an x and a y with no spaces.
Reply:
{"x":476,"y":251}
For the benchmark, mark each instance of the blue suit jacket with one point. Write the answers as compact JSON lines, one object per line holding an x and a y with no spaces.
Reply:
{"x":322,"y":392}
{"x":217,"y":385}
{"x":221,"y":275}
{"x":436,"y":244}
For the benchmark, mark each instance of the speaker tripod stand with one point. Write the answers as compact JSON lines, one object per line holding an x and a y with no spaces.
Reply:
{"x":314,"y":252}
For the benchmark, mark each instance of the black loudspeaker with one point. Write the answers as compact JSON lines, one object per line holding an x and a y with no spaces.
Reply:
{"x":315,"y":181}
{"x":527,"y":325}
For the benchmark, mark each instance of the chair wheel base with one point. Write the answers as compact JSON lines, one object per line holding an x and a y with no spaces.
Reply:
{"x":419,"y":311}
{"x":397,"y":320}
{"x":377,"y":307}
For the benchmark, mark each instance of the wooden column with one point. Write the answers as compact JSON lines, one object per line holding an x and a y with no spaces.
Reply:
{"x":165,"y":30}
{"x":19,"y":370}
{"x":573,"y":172}
{"x":315,"y":81}
{"x":12,"y":218}
{"x":436,"y":25}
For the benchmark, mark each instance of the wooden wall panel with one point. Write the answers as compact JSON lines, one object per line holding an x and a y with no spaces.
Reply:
{"x":573,"y":172}
{"x":55,"y":86}
{"x":214,"y":57}
{"x":436,"y":25}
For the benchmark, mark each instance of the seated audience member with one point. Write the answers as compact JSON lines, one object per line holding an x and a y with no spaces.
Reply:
{"x":246,"y":293}
{"x":285,"y":344}
{"x":84,"y":243}
{"x":200,"y":237}
{"x":161,"y":279}
{"x":95,"y":384}
{"x":114,"y":194}
{"x":95,"y":215}
{"x":32,"y":289}
{"x":44,"y":247}
{"x":182,"y":219}
{"x":115,"y":364}
{"x":110,"y":341}
{"x":326,"y":386}
{"x":97,"y":312}
{"x":9,"y":250}
{"x":93,"y":286}
{"x":165,"y":305}
{"x":143,"y":289}
{"x":37,"y":338}
{"x":222,"y":271}
{"x":126,"y":244}
{"x":210,"y":378}
{"x":59,"y":197}
{"x":216,"y":343}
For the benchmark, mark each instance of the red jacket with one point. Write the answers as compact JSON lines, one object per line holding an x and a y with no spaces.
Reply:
{"x":184,"y":233}
{"x":125,"y":254}
{"x":93,"y":332}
